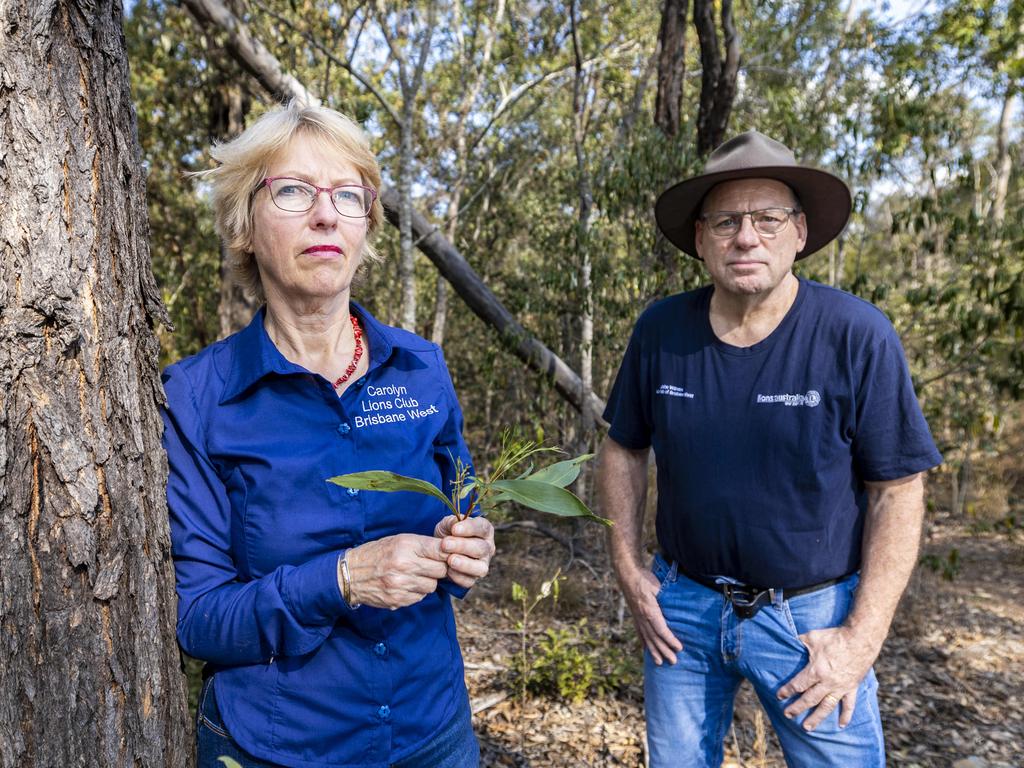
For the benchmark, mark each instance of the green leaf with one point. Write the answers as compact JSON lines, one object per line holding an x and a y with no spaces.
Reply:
{"x":380,"y":480}
{"x":561,"y":473}
{"x":228,"y":762}
{"x":545,"y":497}
{"x":467,"y":489}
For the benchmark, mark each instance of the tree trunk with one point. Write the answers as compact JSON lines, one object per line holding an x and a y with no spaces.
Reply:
{"x":235,"y":308}
{"x":580,"y":109}
{"x":90,"y":673}
{"x":228,"y":107}
{"x":1003,"y":162}
{"x":671,"y":66}
{"x":718,"y":78}
{"x":407,"y":256}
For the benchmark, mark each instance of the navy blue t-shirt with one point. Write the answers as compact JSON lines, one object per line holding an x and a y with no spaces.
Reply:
{"x":762,"y":451}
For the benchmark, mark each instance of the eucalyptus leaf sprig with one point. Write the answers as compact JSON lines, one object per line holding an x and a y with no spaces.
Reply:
{"x":544,"y":490}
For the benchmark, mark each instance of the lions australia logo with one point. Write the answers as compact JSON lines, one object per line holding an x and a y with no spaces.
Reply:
{"x":810,"y":399}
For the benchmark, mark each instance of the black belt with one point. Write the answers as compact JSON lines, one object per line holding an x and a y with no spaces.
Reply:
{"x":747,"y":599}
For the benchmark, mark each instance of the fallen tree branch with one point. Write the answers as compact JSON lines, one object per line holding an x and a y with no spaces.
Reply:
{"x":479,"y":705}
{"x":532,"y":527}
{"x":254,"y":57}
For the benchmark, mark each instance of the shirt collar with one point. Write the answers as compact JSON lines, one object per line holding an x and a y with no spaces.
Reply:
{"x":255,"y":355}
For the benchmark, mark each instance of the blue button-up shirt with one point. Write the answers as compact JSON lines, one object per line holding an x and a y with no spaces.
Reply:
{"x":251,"y":438}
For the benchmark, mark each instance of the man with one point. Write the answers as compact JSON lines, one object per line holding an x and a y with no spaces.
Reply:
{"x":789,"y":447}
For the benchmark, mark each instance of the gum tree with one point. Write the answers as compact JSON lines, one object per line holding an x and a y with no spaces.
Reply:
{"x":89,"y":667}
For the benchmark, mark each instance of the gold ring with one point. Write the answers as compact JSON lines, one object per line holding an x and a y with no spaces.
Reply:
{"x":834,"y":702}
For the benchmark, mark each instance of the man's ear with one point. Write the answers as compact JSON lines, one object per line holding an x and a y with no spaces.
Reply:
{"x":801,"y":228}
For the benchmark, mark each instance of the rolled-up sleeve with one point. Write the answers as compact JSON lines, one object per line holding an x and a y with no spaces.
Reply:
{"x":222,"y":619}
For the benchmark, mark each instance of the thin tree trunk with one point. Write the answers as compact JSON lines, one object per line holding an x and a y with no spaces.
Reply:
{"x":1003,"y":161}
{"x":410,"y":79}
{"x":718,"y":78}
{"x":671,"y":66}
{"x":584,"y":213}
{"x":668,"y":107}
{"x":228,"y":109}
{"x":90,"y":673}
{"x":461,"y":151}
{"x":407,"y":256}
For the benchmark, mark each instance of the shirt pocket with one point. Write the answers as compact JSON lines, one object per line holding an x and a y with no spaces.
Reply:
{"x":292,"y":514}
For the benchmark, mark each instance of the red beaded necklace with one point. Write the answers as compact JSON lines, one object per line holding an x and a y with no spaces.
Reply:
{"x":358,"y":353}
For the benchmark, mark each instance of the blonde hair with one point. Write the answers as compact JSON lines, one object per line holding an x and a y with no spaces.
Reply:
{"x":243,"y":163}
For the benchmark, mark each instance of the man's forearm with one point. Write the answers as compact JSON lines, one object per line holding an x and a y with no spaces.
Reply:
{"x":892,"y":534}
{"x":622,"y":487}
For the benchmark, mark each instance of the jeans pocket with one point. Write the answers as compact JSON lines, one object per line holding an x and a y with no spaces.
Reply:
{"x":824,"y":609}
{"x":207,"y":712}
{"x":662,"y":572}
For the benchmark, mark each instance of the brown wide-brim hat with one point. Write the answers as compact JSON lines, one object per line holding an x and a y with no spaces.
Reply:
{"x":824,"y":198}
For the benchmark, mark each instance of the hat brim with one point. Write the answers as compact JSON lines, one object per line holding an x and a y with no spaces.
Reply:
{"x":824,"y":198}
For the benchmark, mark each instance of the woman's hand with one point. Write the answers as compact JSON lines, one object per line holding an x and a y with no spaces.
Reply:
{"x":396,"y":571}
{"x":468,"y":545}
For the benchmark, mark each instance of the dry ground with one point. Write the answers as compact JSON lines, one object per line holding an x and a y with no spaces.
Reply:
{"x":951,"y":674}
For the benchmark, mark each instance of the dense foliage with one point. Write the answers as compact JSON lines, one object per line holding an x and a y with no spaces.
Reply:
{"x":921,"y":114}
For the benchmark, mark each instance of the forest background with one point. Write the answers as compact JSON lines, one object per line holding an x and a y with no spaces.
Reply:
{"x":523,"y":144}
{"x":534,"y":138}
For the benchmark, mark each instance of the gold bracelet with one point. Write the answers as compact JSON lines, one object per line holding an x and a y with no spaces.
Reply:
{"x":345,"y":580}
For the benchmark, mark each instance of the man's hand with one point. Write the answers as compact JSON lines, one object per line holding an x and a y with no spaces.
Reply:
{"x":622,"y":487}
{"x":841,"y":657}
{"x":395,"y":571}
{"x":839,"y":660}
{"x":641,"y":592}
{"x":468,"y":546}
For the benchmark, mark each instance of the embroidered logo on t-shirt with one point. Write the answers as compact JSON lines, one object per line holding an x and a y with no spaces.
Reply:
{"x":811,"y":399}
{"x":671,"y":391}
{"x":390,"y":405}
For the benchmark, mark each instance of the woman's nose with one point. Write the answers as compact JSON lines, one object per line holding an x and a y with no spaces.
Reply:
{"x":323,"y":211}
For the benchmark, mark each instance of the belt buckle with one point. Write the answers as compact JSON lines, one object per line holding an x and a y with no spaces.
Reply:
{"x":746,"y":601}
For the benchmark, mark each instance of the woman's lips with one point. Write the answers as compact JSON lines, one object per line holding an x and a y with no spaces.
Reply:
{"x":323,"y":249}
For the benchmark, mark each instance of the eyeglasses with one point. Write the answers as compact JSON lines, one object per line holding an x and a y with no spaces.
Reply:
{"x":298,"y":196}
{"x":766,"y":221}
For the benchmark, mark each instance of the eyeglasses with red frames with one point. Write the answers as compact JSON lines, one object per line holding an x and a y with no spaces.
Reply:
{"x":297,"y":196}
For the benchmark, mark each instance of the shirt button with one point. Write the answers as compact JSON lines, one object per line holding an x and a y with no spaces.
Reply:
{"x":353,"y":492}
{"x":384,"y":712}
{"x":380,"y":649}
{"x":344,"y":429}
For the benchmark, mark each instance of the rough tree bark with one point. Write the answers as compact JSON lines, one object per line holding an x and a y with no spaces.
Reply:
{"x":718,"y":76}
{"x":671,"y":66}
{"x":90,"y":673}
{"x":264,"y":66}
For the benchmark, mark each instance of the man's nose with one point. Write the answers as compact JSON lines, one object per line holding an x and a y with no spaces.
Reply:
{"x":747,"y":236}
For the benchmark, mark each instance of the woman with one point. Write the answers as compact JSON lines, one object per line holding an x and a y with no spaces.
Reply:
{"x":323,"y":613}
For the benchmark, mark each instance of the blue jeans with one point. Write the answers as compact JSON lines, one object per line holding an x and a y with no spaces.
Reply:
{"x":454,"y":747}
{"x":689,"y":704}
